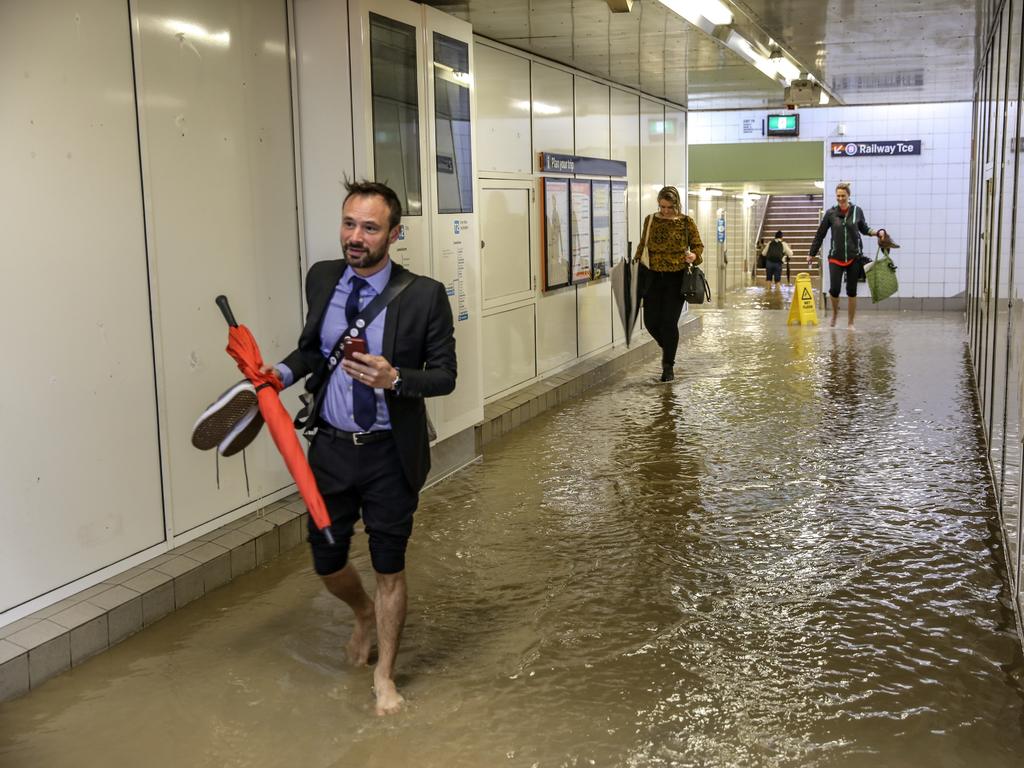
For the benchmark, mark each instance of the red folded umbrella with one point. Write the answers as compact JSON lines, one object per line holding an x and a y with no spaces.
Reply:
{"x":243,"y":348}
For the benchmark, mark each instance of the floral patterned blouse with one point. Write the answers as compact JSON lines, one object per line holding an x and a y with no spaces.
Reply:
{"x":667,"y":241}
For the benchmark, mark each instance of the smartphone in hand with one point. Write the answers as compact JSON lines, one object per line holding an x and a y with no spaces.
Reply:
{"x":351,"y":345}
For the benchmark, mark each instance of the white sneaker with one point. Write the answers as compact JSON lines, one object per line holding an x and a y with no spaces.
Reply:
{"x":221,"y":416}
{"x":243,"y":433}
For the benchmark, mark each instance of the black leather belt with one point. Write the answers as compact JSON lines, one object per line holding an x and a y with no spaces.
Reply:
{"x":356,"y":438}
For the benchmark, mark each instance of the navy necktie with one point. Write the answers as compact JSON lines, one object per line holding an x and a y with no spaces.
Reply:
{"x":364,"y":405}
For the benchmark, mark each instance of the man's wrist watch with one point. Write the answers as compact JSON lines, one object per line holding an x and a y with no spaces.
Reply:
{"x":396,"y":385}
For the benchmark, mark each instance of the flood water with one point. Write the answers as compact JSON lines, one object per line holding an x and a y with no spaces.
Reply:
{"x":787,"y":557}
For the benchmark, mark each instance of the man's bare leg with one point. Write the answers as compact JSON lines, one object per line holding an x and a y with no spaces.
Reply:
{"x":851,"y":310}
{"x":347,"y":586}
{"x":391,"y":601}
{"x":834,"y":301}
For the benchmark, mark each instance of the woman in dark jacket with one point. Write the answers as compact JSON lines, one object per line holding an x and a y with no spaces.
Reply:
{"x":846,"y":223}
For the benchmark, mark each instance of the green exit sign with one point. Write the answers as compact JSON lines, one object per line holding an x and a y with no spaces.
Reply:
{"x":783,"y":125}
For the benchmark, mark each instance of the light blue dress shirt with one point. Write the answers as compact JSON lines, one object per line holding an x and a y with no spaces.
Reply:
{"x":337,"y":407}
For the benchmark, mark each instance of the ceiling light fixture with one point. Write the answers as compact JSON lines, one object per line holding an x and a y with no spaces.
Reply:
{"x":739,"y":44}
{"x":715,"y":11}
{"x":787,"y":69}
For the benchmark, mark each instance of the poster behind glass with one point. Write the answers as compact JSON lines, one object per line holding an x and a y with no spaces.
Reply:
{"x":620,"y":228}
{"x":601,"y":196}
{"x":396,"y":128}
{"x":582,"y":237}
{"x":452,"y":125}
{"x":556,"y":233}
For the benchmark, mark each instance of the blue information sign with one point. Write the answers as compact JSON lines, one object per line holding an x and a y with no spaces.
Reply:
{"x":721,"y":229}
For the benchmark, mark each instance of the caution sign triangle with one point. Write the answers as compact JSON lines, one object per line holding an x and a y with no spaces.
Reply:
{"x":801,"y":308}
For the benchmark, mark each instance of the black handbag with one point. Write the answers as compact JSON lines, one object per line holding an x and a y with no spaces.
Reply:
{"x":695,"y":288}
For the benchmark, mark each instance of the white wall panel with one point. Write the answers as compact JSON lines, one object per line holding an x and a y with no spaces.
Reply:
{"x":594,"y":302}
{"x":503,"y":110}
{"x":80,"y":476}
{"x":510,"y":336}
{"x":556,"y":329}
{"x":455,"y":236}
{"x":675,"y":149}
{"x":505,"y":229}
{"x":325,"y":121}
{"x":217,"y":132}
{"x":593,"y":129}
{"x":652,"y":154}
{"x":625,"y":145}
{"x":552,"y":110}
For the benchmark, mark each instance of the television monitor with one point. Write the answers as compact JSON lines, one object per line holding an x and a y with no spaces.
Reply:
{"x":783,"y":125}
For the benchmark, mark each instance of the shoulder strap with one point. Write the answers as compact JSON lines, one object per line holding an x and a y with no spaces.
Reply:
{"x":395,"y":286}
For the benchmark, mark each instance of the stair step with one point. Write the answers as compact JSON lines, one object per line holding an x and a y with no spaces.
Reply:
{"x":798,"y":217}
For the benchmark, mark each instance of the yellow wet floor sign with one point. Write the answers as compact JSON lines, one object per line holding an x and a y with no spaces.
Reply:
{"x":801,"y":308}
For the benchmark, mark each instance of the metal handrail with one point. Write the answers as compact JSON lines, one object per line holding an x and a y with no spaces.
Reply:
{"x":764,"y":215}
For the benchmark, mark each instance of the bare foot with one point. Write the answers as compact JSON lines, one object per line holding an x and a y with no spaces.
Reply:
{"x":389,"y":700}
{"x":358,"y":648}
{"x":850,"y":328}
{"x":832,"y":324}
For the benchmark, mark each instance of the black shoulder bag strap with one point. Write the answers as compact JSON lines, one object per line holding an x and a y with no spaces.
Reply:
{"x":312,"y":403}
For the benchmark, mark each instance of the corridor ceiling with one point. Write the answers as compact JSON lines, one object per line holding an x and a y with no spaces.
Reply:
{"x":863,"y":51}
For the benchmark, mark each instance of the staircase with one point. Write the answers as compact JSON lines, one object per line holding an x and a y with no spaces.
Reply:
{"x":798,"y":217}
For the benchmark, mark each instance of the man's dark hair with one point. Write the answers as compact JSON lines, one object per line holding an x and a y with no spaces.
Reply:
{"x":366,"y":188}
{"x":779,"y":234}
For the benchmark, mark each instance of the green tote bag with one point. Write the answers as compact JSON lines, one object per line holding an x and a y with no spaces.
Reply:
{"x":881,"y":277}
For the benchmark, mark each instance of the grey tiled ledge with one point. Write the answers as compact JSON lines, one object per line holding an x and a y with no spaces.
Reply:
{"x":509,"y":412}
{"x":63,"y":635}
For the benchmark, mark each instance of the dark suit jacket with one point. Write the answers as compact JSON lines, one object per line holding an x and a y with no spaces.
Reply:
{"x":418,"y":339}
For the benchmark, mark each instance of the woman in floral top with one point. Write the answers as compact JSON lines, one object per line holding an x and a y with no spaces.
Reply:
{"x":673,"y":244}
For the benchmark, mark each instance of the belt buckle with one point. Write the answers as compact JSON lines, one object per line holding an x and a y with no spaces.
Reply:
{"x":357,"y":437}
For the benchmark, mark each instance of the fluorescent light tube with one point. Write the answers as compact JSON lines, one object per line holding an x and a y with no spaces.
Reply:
{"x":787,"y":68}
{"x":715,"y":11}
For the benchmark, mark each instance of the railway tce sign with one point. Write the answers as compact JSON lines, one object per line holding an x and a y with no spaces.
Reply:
{"x":875,"y":148}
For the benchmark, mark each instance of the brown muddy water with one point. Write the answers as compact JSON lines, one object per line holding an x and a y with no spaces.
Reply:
{"x":788,"y":557}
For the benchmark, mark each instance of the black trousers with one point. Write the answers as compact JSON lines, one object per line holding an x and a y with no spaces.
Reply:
{"x":835,"y":277}
{"x":663,"y":304}
{"x":361,"y":481}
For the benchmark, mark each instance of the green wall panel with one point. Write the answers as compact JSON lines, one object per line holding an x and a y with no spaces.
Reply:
{"x":757,"y":161}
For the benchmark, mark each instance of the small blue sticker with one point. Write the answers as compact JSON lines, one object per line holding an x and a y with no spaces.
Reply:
{"x":401,"y":231}
{"x":458,"y":227}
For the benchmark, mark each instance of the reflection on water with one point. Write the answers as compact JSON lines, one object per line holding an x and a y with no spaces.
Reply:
{"x":785,"y":558}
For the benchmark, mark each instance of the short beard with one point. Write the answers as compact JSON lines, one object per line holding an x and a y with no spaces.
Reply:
{"x":369,"y":259}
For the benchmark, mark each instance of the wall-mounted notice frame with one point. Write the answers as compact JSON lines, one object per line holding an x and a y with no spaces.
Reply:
{"x":582,"y":237}
{"x":601,"y":229}
{"x":557,"y":239}
{"x":620,"y":226}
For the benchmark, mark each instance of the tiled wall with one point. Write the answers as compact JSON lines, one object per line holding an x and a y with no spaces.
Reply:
{"x":922,"y":200}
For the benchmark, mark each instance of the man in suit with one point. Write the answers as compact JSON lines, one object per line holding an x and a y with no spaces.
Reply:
{"x":371,"y":452}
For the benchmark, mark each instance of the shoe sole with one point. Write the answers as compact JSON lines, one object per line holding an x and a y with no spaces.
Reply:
{"x":221,"y":416}
{"x":242,"y":435}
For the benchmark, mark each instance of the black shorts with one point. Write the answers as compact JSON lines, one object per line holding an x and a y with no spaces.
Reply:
{"x":835,"y":277}
{"x":361,"y":481}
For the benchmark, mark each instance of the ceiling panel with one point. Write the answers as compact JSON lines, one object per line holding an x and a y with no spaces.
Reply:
{"x":865,"y":51}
